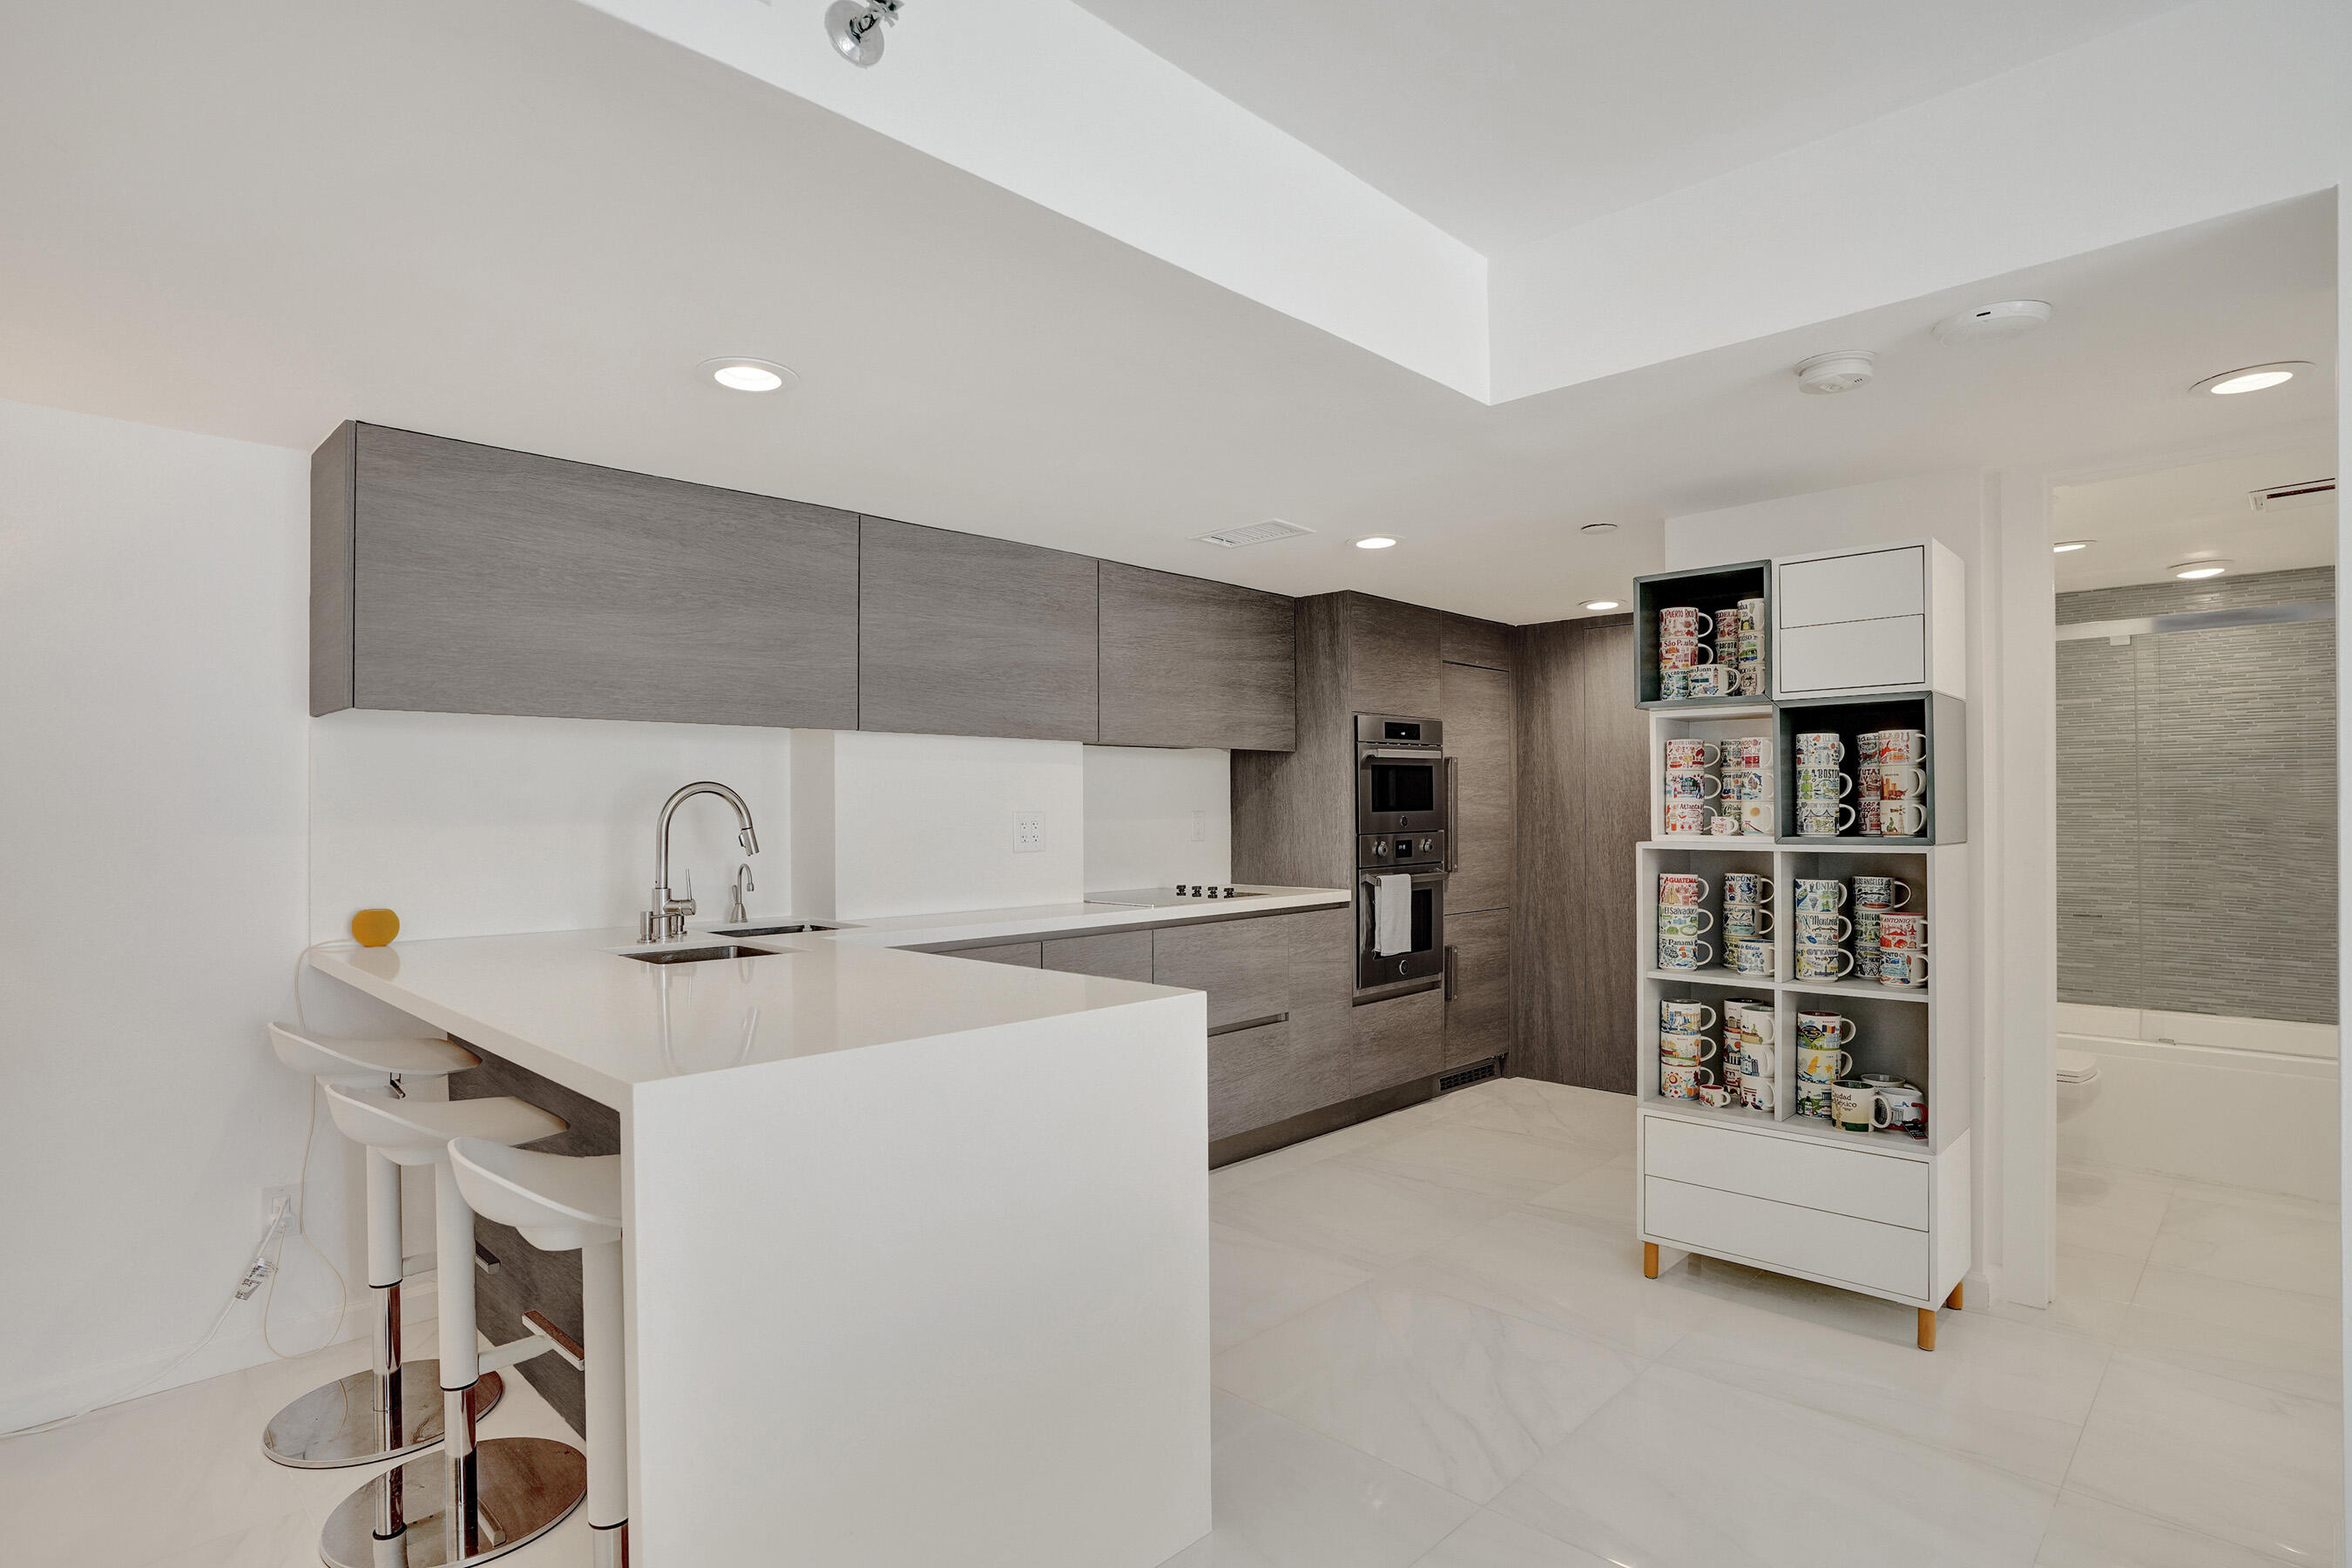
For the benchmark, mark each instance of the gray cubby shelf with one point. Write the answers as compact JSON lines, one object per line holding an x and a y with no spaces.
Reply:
{"x":1710,"y":588}
{"x":1943,"y":719}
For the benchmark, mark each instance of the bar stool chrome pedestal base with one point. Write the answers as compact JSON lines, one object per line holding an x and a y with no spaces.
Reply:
{"x":339,"y":1424}
{"x":525,"y":1487}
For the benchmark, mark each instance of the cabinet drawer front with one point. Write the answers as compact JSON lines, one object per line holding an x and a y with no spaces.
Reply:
{"x":1025,"y":954}
{"x":1115,"y":955}
{"x":1871,"y":586}
{"x":1242,"y":964}
{"x":1854,"y":654}
{"x":1843,"y":1180}
{"x":1256,"y":1077}
{"x":1781,"y":1235}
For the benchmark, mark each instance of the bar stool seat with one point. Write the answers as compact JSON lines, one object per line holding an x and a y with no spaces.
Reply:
{"x":389,"y":1409}
{"x":475,"y":1500}
{"x":564,"y":1202}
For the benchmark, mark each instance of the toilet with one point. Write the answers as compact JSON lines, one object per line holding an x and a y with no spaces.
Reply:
{"x":2078,"y":1083}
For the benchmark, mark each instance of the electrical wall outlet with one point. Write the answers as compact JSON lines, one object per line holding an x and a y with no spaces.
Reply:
{"x":1200,"y":827}
{"x":290,"y":1191}
{"x":1028,"y":832}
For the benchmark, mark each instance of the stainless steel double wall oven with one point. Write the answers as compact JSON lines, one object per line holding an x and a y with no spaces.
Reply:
{"x":1404,"y":808}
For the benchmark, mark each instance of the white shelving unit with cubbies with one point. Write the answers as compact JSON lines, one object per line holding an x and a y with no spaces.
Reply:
{"x":1879,"y":1213}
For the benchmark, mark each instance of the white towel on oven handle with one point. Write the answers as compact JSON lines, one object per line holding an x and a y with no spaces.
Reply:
{"x":1392,"y":915}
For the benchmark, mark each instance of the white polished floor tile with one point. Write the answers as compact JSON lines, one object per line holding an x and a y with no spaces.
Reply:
{"x":1491,"y":1541}
{"x":2282,"y":1365}
{"x":1370,"y":1218}
{"x":1254,"y":1283}
{"x":1457,"y":1393}
{"x":2105,"y":1276}
{"x":1287,"y":1498}
{"x":1643,"y":1483}
{"x":2248,"y":1197}
{"x":2240,"y":1306}
{"x":1590,"y":1118}
{"x":2086,"y":1532}
{"x":2259,"y":1246}
{"x":2259,"y":1468}
{"x":1996,"y":1392}
{"x":1456,"y":1154}
{"x":1560,"y":1269}
{"x":1605,"y":1194}
{"x":2110,"y":1211}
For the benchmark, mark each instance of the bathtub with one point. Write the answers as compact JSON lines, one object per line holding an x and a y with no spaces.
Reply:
{"x":2247,"y":1102}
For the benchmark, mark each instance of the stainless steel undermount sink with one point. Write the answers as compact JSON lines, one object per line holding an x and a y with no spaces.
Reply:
{"x":793,"y":928}
{"x":702,"y":954}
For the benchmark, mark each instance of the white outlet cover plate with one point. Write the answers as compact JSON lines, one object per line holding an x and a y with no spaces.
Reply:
{"x":1028,"y":832}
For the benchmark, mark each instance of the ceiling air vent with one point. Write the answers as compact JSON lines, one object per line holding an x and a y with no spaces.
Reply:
{"x":2286,"y":497}
{"x":1265,"y":532}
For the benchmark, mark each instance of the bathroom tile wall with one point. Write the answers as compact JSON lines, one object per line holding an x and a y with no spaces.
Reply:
{"x":2196,"y":805}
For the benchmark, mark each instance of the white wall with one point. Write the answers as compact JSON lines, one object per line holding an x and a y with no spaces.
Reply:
{"x":153,"y":813}
{"x":1155,"y":818}
{"x":1946,"y":506}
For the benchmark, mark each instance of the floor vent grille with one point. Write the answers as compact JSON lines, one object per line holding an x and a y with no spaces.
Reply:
{"x":1464,"y":1077}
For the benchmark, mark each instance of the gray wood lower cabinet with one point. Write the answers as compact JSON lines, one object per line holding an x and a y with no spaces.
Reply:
{"x":959,"y":634}
{"x":1254,"y":1078}
{"x":1477,"y":985}
{"x":1025,"y":954}
{"x":1244,"y":965}
{"x":1114,"y":954}
{"x":1188,"y":662}
{"x":1399,"y":1040}
{"x":456,"y":578}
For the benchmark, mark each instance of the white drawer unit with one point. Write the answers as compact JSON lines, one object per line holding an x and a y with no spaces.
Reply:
{"x":1889,"y":618}
{"x":1885,"y":1188}
{"x":1839,"y":1249}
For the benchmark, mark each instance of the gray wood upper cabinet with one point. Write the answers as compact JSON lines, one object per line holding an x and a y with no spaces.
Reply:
{"x":1114,"y":954}
{"x":1244,"y":965}
{"x":1392,"y":655}
{"x":1477,"y":986}
{"x":1188,"y":662}
{"x":1481,"y":740}
{"x":961,"y":634}
{"x":1466,"y":640}
{"x":456,"y":578}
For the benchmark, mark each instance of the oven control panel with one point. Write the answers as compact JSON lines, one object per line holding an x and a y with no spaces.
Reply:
{"x":1421,"y":850}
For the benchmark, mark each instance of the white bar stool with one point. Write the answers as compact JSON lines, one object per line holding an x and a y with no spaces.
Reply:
{"x":474,"y":1501}
{"x":559,"y":1203}
{"x":393,"y":1407}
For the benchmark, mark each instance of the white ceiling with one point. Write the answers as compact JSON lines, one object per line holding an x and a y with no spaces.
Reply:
{"x":522,"y":222}
{"x":1505,"y":121}
{"x":2142,"y":524}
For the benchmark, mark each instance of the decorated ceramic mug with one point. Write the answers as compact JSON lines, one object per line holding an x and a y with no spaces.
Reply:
{"x":1727,"y":625}
{"x":1823,"y":784}
{"x":1717,"y":1095}
{"x":1746,"y":920}
{"x":1902,"y":1108}
{"x":1866,"y":746}
{"x":1678,"y":1080}
{"x":1758,"y":1093}
{"x":1714,"y":680}
{"x":1820,"y":895}
{"x":1687,"y":817}
{"x":1812,"y":1097}
{"x":1755,"y":1058}
{"x":1693,"y":753}
{"x":1902,"y":818}
{"x":1687,"y":1047}
{"x":1682,"y":887}
{"x":1820,"y":1031}
{"x":1751,"y":614}
{"x":1822,"y":928}
{"x":1751,"y":957}
{"x":1901,"y":929}
{"x":1685,"y":1015}
{"x":1902,"y":746}
{"x":1692,"y":783}
{"x":1822,"y":818}
{"x":1819,"y":749}
{"x":1747,"y":887}
{"x":1865,"y":944}
{"x":1685,"y":622}
{"x":1673,"y":684}
{"x":1685,"y":952}
{"x":1854,"y":1105}
{"x":1819,"y":960}
{"x":1752,"y":1016}
{"x":1880,"y":892}
{"x":1901,"y":781}
{"x":1901,"y":968}
{"x":1723,"y":824}
{"x":1681,"y":654}
{"x":1750,"y":752}
{"x":1747,"y":784}
{"x":1685,"y":919}
{"x":1867,"y":821}
{"x":1758,"y":817}
{"x":1823,"y":1063}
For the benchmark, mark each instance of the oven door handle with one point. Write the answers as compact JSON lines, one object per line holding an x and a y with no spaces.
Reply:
{"x":1452,"y":817}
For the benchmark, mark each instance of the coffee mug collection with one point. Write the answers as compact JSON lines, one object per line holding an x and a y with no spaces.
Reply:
{"x":1855,"y":930}
{"x":1884,"y":796}
{"x":1705,"y":654}
{"x":1691,"y":1065}
{"x":1722,"y":788}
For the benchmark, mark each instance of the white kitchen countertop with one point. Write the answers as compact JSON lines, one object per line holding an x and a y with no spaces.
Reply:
{"x":567,"y":1005}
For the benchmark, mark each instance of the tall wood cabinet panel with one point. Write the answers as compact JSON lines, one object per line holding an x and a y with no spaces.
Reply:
{"x":1294,"y":810}
{"x":1392,"y":655}
{"x":1477,"y":985}
{"x":1187,"y":662}
{"x":470,"y":579}
{"x":1466,"y":640}
{"x":961,"y":634}
{"x":1482,"y":744}
{"x":1583,"y":794}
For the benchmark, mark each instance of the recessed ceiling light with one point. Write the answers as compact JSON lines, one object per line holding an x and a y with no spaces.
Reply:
{"x":2063,"y":545}
{"x":2009,"y":319}
{"x":738,"y":373}
{"x":2252,"y":378}
{"x":1598,"y":528}
{"x":1374,"y":542}
{"x":1600,"y":603}
{"x":2195,"y":569}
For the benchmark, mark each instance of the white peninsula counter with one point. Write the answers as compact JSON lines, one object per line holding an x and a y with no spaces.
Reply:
{"x":916,"y":1247}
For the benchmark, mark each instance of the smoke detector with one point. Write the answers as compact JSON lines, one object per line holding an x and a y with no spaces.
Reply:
{"x":1265,"y":532}
{"x":1840,"y":371}
{"x":2009,"y":319}
{"x":2287,"y":497}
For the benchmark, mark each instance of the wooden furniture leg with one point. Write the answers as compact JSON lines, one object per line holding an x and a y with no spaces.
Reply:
{"x":1927,"y":1328}
{"x":1953,"y":1300}
{"x":1649,"y":1260}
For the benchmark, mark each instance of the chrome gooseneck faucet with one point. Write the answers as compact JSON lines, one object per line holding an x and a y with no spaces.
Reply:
{"x":666,"y":922}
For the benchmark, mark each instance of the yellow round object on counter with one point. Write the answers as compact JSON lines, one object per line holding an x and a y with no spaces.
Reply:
{"x":375,"y":927}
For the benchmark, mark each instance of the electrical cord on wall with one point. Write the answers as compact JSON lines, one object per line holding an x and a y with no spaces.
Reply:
{"x":262,"y":1265}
